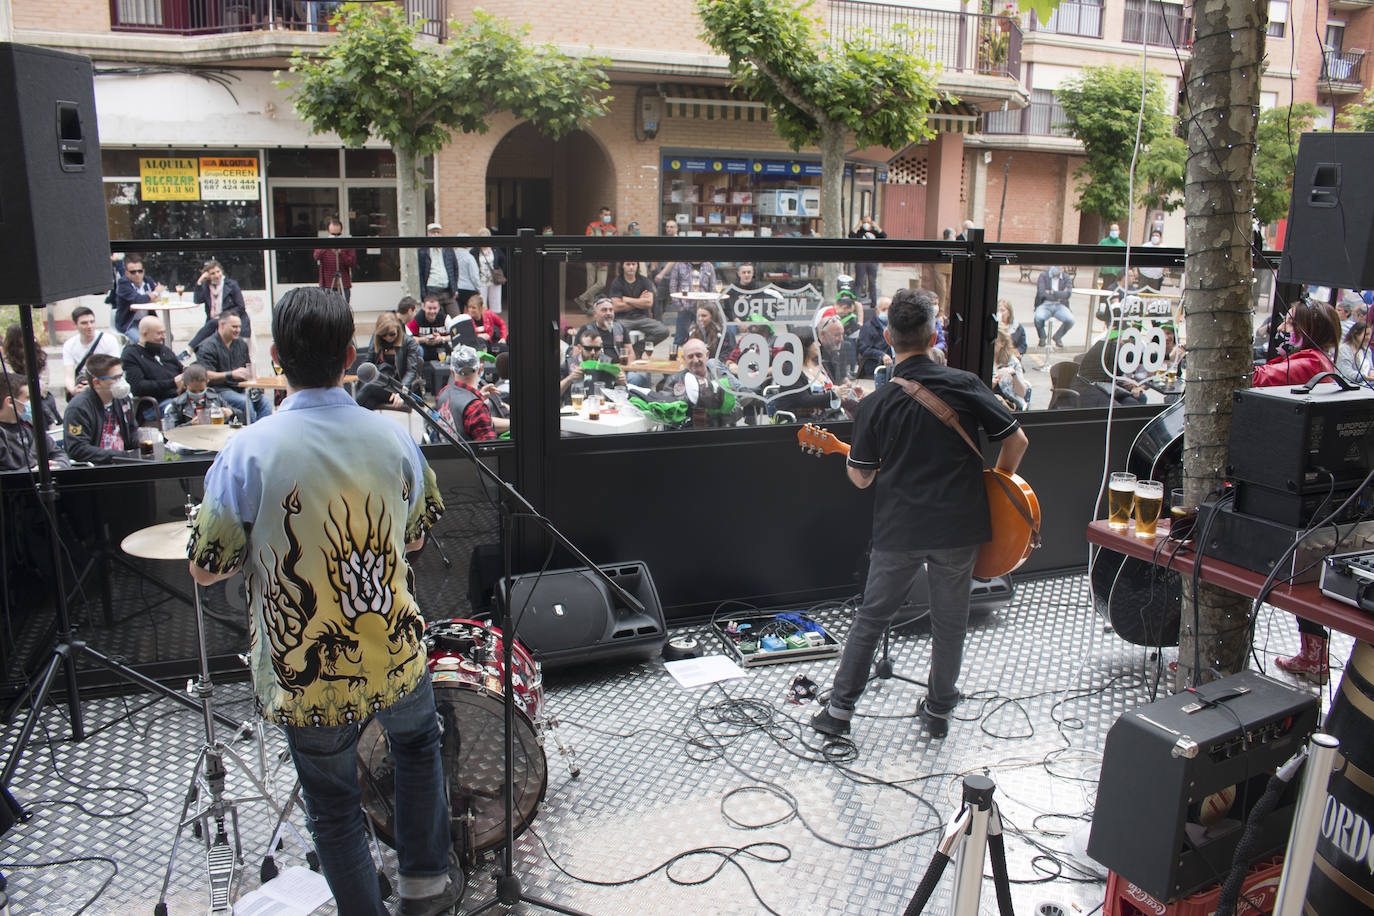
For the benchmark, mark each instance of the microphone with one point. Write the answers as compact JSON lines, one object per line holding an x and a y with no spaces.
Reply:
{"x":368,"y":373}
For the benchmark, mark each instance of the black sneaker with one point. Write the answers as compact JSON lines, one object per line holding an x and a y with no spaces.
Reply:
{"x":442,"y":902}
{"x":827,"y":724}
{"x":938,"y":726}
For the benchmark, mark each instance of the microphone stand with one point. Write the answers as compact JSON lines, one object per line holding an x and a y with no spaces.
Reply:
{"x":508,"y":889}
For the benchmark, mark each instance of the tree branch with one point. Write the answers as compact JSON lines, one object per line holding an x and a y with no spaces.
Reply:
{"x":788,"y":90}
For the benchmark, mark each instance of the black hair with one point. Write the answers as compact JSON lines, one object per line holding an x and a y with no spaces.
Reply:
{"x":100,"y":364}
{"x":81,"y":311}
{"x":312,"y":329}
{"x":195,"y":372}
{"x":587,"y":332}
{"x":11,"y":384}
{"x":911,"y":320}
{"x":1356,"y":331}
{"x":407,"y":304}
{"x":14,"y":349}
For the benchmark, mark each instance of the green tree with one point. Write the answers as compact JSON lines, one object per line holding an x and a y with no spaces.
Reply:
{"x":1358,"y":116}
{"x":1103,"y":108}
{"x":376,"y":79}
{"x":822,"y":89}
{"x":1276,"y":156}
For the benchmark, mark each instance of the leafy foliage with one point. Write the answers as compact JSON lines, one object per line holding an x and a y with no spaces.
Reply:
{"x":1103,"y":105}
{"x":377,"y":79}
{"x":1276,"y":154}
{"x":1359,"y":116}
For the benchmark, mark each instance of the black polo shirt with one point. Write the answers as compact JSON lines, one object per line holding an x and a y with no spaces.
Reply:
{"x":216,"y":357}
{"x":929,"y":489}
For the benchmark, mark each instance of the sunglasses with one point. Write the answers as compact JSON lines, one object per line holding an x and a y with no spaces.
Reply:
{"x":590,"y":349}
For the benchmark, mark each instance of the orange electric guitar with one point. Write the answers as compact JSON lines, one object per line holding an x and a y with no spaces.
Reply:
{"x":1012,"y":505}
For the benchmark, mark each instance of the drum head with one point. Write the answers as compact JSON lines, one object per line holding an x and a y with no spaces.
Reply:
{"x":474,"y":763}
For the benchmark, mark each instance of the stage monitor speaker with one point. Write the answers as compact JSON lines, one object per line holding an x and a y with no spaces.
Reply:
{"x":569,"y":616}
{"x":52,"y":206}
{"x":1330,"y":235}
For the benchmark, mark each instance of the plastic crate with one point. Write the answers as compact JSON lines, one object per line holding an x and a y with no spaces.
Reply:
{"x":1261,"y":888}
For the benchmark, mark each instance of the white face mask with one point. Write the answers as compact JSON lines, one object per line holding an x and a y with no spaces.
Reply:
{"x":119,"y":390}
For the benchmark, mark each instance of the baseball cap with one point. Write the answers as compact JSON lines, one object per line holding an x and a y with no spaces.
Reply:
{"x":845,"y":293}
{"x":432,"y":226}
{"x":463,"y":357}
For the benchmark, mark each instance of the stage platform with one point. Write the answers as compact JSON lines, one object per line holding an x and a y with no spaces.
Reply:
{"x":664,"y":771}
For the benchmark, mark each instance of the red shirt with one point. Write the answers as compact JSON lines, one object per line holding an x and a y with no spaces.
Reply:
{"x":336,"y":262}
{"x":1295,"y":369}
{"x":494,"y":325}
{"x":597,"y":227}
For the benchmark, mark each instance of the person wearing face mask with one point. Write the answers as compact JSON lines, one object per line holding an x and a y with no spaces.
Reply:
{"x":194,"y":404}
{"x":152,"y":369}
{"x":218,"y":294}
{"x":336,"y":264}
{"x":18,"y":448}
{"x":873,"y":348}
{"x":598,"y":272}
{"x":1052,"y":291}
{"x":99,"y":423}
{"x":395,"y":355}
{"x":1110,"y":275}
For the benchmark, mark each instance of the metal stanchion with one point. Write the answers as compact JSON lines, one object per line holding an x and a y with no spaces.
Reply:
{"x":971,"y":834}
{"x":1307,"y":820}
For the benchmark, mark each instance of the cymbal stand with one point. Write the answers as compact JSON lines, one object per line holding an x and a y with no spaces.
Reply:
{"x":208,"y":778}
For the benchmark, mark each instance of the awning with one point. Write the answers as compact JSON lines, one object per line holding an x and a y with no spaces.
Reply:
{"x":955,"y":118}
{"x":714,"y":103}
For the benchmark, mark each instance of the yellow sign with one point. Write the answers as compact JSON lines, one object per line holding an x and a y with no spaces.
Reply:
{"x":168,"y":178}
{"x":228,"y":178}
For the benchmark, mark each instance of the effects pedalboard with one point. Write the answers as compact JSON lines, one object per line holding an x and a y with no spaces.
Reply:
{"x":772,"y":638}
{"x":1349,"y":578}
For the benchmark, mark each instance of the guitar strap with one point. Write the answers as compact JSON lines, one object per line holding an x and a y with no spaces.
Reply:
{"x":946,"y":415}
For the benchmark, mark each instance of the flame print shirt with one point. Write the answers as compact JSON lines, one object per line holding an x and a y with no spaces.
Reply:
{"x":317,"y":503}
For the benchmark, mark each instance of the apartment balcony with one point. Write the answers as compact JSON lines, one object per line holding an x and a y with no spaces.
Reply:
{"x":1350,"y":5}
{"x":1038,"y":119}
{"x":980,"y":55}
{"x":209,"y":17}
{"x":1342,"y":72}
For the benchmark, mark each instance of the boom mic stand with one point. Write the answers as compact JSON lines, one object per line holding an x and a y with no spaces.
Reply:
{"x":508,"y":889}
{"x":68,"y":650}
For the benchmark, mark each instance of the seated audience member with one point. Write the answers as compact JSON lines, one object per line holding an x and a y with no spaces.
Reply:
{"x":1313,"y":335}
{"x":195,"y":402}
{"x":615,"y":340}
{"x":687,"y":277}
{"x":741,"y":295}
{"x":150,"y":366}
{"x":16,"y":363}
{"x":462,"y":406}
{"x":838,"y":354}
{"x":709,"y":329}
{"x":86,"y":343}
{"x":226,"y":360}
{"x":845,"y":308}
{"x":703,"y":394}
{"x":429,"y":329}
{"x":220,"y":295}
{"x":632,"y":297}
{"x":757,"y":325}
{"x":395,"y":356}
{"x":406,"y":310}
{"x":1052,"y":292}
{"x":99,"y":423}
{"x":1008,"y":376}
{"x":814,"y":394}
{"x":1350,"y":357}
{"x":1100,"y":374}
{"x":489,"y":326}
{"x":1006,"y":321}
{"x":132,"y":288}
{"x":873,"y":349}
{"x":18,"y":447}
{"x":585,"y":349}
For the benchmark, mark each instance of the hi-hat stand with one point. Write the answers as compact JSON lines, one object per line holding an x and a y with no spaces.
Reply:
{"x":508,"y":888}
{"x":975,"y":831}
{"x":68,"y":650}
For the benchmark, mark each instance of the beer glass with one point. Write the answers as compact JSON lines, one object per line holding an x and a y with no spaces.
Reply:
{"x":217,"y":415}
{"x":1120,"y":495}
{"x":1149,"y":501}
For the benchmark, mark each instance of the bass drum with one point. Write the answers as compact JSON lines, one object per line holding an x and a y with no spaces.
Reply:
{"x":1141,"y":601}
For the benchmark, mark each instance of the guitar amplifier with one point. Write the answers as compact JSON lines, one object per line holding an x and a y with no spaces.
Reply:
{"x":1180,"y":776}
{"x":1256,"y":544}
{"x":1301,"y":442}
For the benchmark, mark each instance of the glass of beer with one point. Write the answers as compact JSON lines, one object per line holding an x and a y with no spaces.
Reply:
{"x":1120,"y":496}
{"x":594,"y":407}
{"x":577,"y":395}
{"x":217,"y":415}
{"x":1149,"y":502}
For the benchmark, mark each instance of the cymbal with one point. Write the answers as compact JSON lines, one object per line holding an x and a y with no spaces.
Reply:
{"x":210,"y":437}
{"x":158,"y":542}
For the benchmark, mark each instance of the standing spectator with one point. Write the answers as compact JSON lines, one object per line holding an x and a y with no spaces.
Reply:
{"x":1052,"y":292}
{"x":336,"y":264}
{"x":18,"y":446}
{"x":133,"y":288}
{"x":1152,"y":277}
{"x":87,"y":343}
{"x":150,"y":366}
{"x":688,"y":277}
{"x":741,"y":304}
{"x":873,"y":348}
{"x":219,"y":294}
{"x":439,"y":268}
{"x":16,"y":363}
{"x":597,"y":271}
{"x":99,"y":424}
{"x":226,"y":360}
{"x":632,"y":296}
{"x":866,"y":274}
{"x":491,"y":272}
{"x":659,"y":272}
{"x":1110,"y":275}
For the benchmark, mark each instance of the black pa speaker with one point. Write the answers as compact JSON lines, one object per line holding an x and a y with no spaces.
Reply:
{"x":1330,"y":236}
{"x":569,"y":616}
{"x":52,"y":206}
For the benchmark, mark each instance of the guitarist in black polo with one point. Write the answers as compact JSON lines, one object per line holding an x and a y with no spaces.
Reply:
{"x":931,"y":507}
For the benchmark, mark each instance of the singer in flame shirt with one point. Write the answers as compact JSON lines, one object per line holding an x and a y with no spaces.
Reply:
{"x":318,"y":504}
{"x":930,"y":507}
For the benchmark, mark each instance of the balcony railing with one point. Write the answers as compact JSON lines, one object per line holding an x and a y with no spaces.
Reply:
{"x":1039,"y":119}
{"x":1160,"y":24}
{"x":1072,"y":17}
{"x":961,"y":42}
{"x":205,"y":17}
{"x":1341,"y":70}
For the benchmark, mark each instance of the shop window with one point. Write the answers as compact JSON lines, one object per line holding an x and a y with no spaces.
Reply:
{"x":301,"y":213}
{"x":372,"y":212}
{"x":303,"y":163}
{"x":162,"y":222}
{"x":369,"y":163}
{"x":764,"y":198}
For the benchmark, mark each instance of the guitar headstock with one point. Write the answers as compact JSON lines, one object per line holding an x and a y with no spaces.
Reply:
{"x":816,"y":441}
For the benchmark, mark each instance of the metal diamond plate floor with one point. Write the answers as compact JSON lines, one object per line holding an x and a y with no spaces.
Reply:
{"x":665,"y":771}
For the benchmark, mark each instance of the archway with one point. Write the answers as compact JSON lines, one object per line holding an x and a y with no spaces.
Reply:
{"x":534,"y":181}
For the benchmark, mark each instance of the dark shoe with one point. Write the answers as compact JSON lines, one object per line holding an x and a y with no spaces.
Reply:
{"x":827,"y":724}
{"x":442,"y":902}
{"x":938,"y":726}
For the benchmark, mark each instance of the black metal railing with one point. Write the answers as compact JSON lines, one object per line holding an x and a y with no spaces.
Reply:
{"x":1160,"y":23}
{"x":1072,"y":17}
{"x":1342,"y":66}
{"x":1038,"y":119}
{"x":959,"y":42}
{"x":204,"y":17}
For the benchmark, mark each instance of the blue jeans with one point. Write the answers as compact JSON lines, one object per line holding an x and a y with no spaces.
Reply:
{"x":250,"y":409}
{"x":1060,"y":313}
{"x":326,"y":763}
{"x":890,"y":577}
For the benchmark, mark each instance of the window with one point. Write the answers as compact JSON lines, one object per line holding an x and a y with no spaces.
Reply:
{"x":1076,"y":17}
{"x":1278,"y":18}
{"x":1269,"y":100}
{"x":1154,"y":23}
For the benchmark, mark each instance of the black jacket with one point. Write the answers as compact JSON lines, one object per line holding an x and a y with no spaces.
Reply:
{"x":409,"y":359}
{"x":151,"y":375}
{"x":450,"y":265}
{"x":872,"y":346}
{"x":126,"y":296}
{"x":83,"y":422}
{"x":230,"y":300}
{"x":18,"y":450}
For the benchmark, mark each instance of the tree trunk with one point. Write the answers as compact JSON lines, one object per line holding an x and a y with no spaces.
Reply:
{"x":1223,"y":89}
{"x":832,"y":197}
{"x":410,"y":215}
